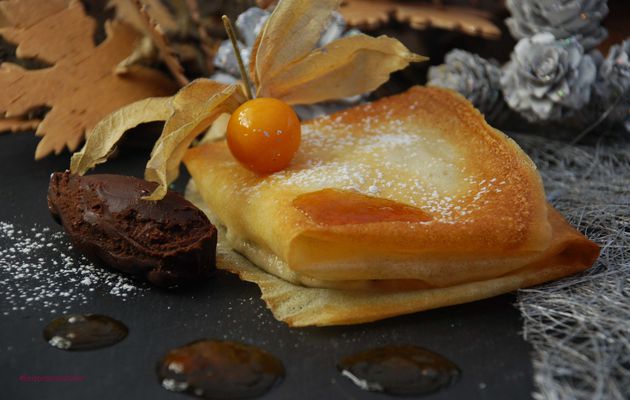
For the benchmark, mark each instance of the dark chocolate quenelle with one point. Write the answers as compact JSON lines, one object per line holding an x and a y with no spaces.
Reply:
{"x":399,"y":370}
{"x":216,"y":369}
{"x":168,"y":242}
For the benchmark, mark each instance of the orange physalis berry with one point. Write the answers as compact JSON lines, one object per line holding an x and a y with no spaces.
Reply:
{"x":264,"y":134}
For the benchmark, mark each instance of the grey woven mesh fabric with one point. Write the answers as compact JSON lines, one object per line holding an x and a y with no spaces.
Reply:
{"x":580,"y":326}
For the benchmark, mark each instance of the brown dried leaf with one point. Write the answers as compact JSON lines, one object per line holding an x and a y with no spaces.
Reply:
{"x":205,"y":41}
{"x":466,"y":20}
{"x":20,"y":14}
{"x":370,"y":14}
{"x":106,"y":134}
{"x":366,"y":14}
{"x":145,"y":53}
{"x":346,"y":67}
{"x":160,"y":41}
{"x":80,"y":87}
{"x":291,"y":32}
{"x":18,"y":124}
{"x":127,"y":11}
{"x":196,"y":106}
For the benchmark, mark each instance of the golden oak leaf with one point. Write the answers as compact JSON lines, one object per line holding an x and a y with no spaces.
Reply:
{"x":80,"y":87}
{"x":18,"y":124}
{"x":20,"y":14}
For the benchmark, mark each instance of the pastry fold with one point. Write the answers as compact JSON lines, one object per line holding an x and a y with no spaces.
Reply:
{"x":405,"y":204}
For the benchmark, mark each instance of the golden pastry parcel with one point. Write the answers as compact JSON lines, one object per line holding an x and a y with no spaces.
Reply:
{"x":405,"y":204}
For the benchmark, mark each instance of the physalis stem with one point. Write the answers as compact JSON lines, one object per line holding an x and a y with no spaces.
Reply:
{"x":229,"y":29}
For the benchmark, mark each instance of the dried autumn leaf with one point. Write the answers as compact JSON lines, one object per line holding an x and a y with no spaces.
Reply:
{"x":188,"y":113}
{"x":195,"y":108}
{"x":127,"y":11}
{"x":20,"y":14}
{"x":466,"y":20}
{"x":106,"y":134}
{"x":346,"y":67}
{"x":159,"y":40}
{"x":80,"y":86}
{"x":290,"y":33}
{"x":18,"y":124}
{"x":370,"y":14}
{"x":292,"y":71}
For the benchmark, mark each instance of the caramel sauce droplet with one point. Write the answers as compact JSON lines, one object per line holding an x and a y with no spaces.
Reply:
{"x":84,"y":332}
{"x":399,"y":370}
{"x":216,"y":369}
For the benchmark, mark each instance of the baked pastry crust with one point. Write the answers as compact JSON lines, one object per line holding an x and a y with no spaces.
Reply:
{"x":410,"y":194}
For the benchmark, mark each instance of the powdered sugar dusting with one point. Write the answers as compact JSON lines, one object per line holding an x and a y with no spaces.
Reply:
{"x":388,"y":157}
{"x":39,"y":270}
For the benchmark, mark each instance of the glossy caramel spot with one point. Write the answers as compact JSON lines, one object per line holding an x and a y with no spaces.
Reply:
{"x":216,"y":369}
{"x":84,"y":332}
{"x":344,"y":207}
{"x":399,"y":370}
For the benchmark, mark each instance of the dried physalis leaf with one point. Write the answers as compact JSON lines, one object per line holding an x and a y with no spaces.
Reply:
{"x":346,"y":67}
{"x":196,"y":107}
{"x":291,"y":32}
{"x":217,"y":129}
{"x":106,"y":134}
{"x":80,"y":87}
{"x":286,"y":67}
{"x":188,"y":113}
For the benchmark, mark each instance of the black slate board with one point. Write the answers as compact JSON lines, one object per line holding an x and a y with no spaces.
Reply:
{"x":482,"y":338}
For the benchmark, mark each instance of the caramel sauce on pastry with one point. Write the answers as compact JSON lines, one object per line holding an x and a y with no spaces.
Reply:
{"x":341,"y":207}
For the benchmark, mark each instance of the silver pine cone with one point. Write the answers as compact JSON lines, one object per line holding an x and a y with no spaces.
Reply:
{"x":548,"y":79}
{"x":614,"y":71}
{"x":562,"y":18}
{"x":612,"y":87}
{"x":474,"y":77}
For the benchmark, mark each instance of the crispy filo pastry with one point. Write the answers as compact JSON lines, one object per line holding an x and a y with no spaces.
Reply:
{"x":409,"y":203}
